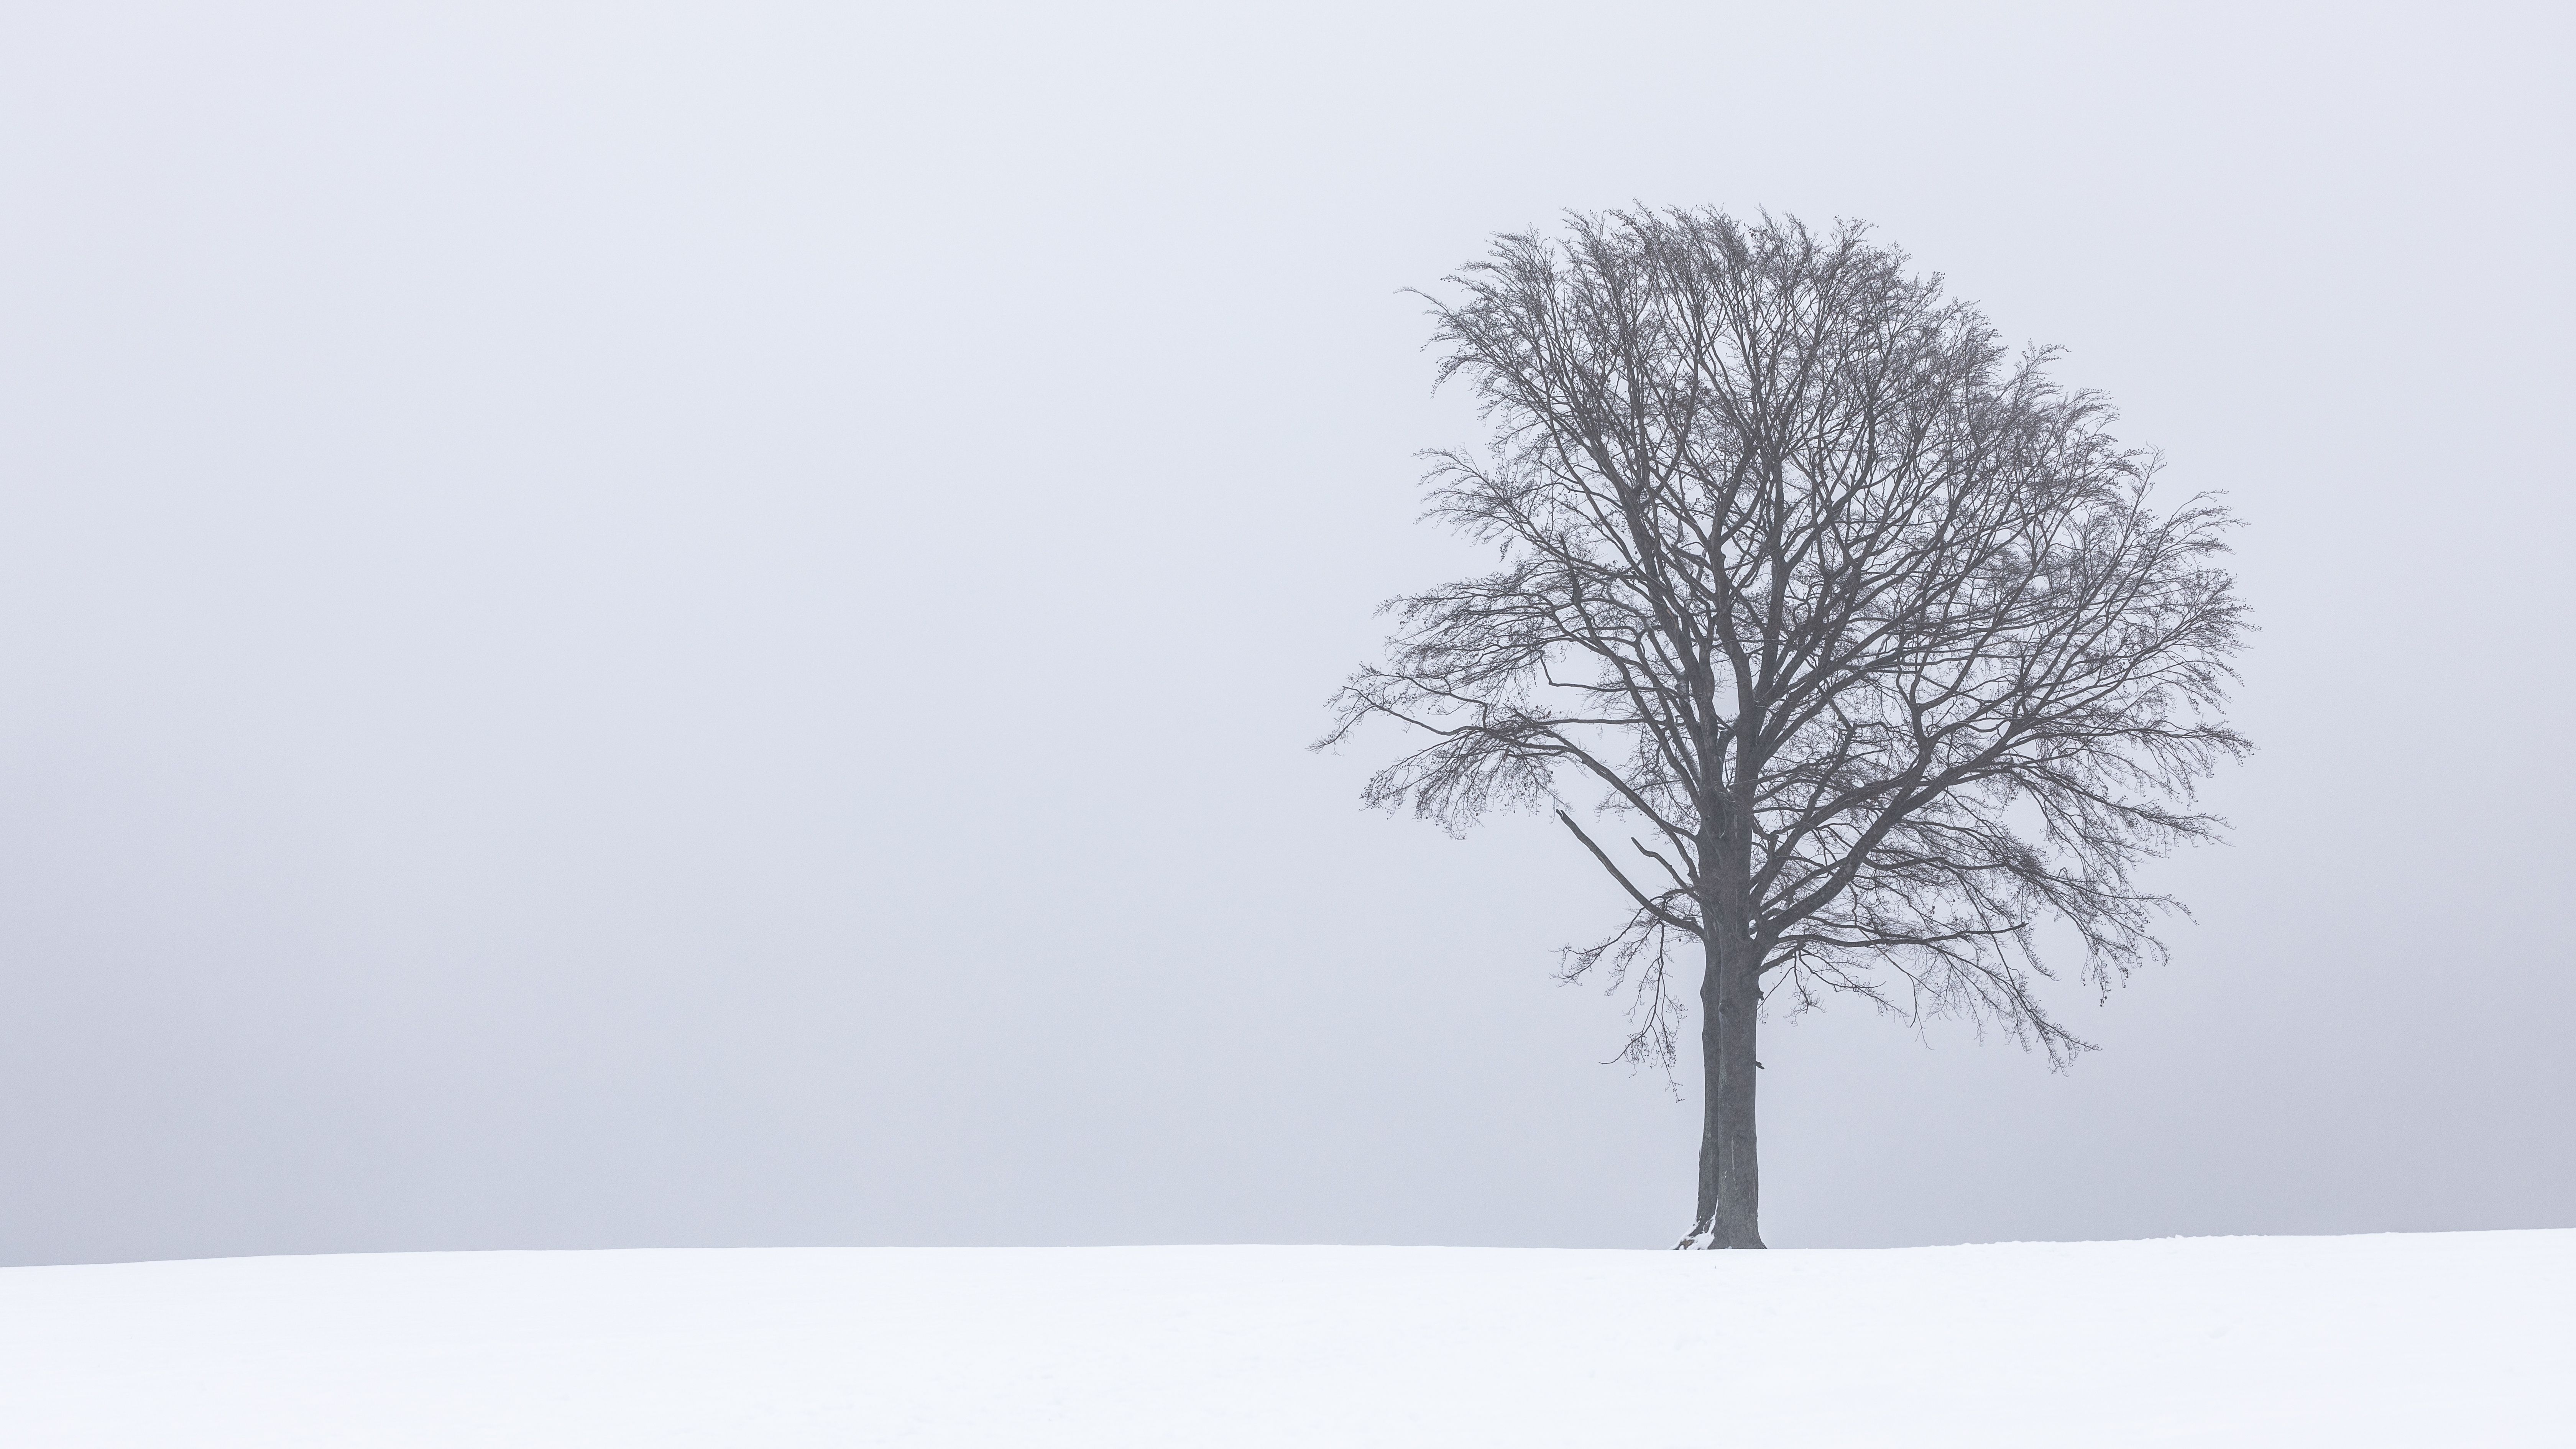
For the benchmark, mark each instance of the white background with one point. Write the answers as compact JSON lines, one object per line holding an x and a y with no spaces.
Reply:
{"x":665,"y":624}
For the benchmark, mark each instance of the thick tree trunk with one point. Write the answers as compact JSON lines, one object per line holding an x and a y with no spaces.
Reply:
{"x":1730,"y":1173}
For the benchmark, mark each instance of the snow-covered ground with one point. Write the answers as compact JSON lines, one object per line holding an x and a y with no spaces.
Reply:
{"x":2464,"y":1339}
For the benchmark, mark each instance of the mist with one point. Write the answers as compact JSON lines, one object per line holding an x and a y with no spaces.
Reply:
{"x":698,"y":625}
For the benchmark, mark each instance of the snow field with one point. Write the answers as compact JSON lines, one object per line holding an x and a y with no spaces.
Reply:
{"x":2417,"y":1340}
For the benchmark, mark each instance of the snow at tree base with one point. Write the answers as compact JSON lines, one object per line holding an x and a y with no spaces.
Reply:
{"x":2431,"y":1339}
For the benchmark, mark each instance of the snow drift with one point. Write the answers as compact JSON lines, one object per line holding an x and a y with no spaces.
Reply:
{"x":2456,"y":1338}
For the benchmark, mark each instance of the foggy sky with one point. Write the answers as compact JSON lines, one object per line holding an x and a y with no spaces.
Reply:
{"x":696,"y":624}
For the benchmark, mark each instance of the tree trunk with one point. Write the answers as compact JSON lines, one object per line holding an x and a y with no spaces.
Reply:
{"x":1730,"y":1175}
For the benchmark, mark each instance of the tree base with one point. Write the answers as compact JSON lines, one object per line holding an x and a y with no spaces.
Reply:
{"x":1706,"y":1240}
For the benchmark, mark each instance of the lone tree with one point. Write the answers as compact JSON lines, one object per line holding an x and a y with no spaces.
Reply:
{"x":1861,"y":631}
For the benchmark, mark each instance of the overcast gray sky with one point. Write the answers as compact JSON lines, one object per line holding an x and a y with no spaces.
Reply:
{"x":695,"y":624}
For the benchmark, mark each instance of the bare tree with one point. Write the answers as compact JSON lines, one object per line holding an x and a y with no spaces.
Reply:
{"x":1860,"y":631}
